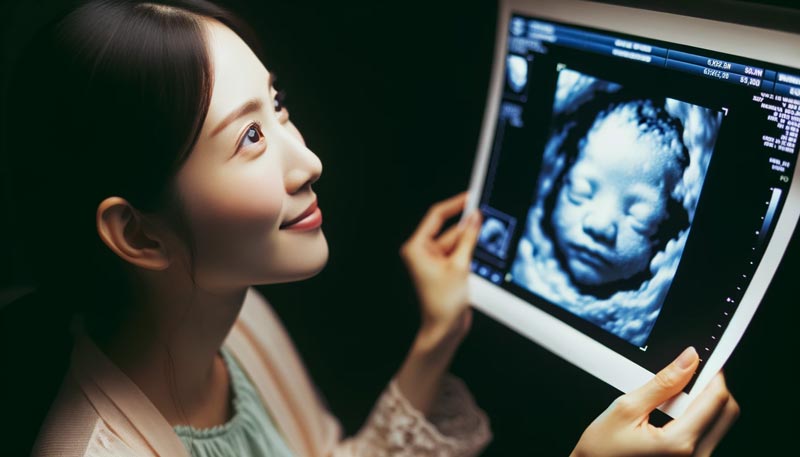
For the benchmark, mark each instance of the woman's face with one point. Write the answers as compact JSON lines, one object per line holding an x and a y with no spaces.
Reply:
{"x":246,"y":186}
{"x":611,"y":203}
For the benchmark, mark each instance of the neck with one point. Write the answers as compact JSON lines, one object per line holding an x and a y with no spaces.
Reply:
{"x":169,"y":346}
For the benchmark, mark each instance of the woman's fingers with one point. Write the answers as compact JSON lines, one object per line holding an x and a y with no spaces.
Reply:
{"x":619,"y":430}
{"x":665,"y":385}
{"x":438,"y":214}
{"x":466,"y":244}
{"x":703,"y":412}
{"x":447,"y":240}
{"x":718,"y":430}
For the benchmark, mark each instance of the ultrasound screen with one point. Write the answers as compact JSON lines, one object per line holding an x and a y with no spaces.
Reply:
{"x":633,"y":184}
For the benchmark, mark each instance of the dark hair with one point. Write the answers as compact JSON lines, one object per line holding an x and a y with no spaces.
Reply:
{"x":651,"y":116}
{"x":107,"y":100}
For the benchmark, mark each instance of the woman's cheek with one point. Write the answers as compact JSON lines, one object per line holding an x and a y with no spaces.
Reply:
{"x":235,"y":204}
{"x":234,"y":221}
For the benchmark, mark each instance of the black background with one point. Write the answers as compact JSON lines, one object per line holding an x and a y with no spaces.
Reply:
{"x":391,"y":97}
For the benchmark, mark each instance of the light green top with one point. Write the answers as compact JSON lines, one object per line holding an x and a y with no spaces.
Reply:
{"x":249,"y":433}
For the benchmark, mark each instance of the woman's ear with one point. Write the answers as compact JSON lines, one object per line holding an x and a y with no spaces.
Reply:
{"x":130,"y":235}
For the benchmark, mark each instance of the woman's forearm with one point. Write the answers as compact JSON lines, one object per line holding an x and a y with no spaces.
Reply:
{"x":439,"y":263}
{"x":420,"y":375}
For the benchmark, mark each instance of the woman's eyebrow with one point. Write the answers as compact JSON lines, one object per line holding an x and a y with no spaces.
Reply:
{"x":250,"y":106}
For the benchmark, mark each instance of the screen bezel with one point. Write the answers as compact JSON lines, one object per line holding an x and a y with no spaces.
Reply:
{"x":553,"y":334}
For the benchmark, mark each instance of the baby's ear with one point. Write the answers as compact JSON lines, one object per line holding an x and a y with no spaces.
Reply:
{"x":130,"y":234}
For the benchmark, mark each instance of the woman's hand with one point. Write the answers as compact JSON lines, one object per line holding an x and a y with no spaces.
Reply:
{"x":623,"y":429}
{"x":439,"y":266}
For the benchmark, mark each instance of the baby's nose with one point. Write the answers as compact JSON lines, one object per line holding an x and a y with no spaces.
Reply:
{"x":601,"y":225}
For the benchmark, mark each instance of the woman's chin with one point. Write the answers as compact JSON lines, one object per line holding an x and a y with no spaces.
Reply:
{"x":303,"y":265}
{"x":313,"y":270}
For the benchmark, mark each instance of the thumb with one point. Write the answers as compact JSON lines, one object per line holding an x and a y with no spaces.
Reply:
{"x":666,"y":384}
{"x":466,"y":244}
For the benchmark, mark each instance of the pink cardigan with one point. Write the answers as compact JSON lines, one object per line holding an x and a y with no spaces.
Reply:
{"x":99,"y":411}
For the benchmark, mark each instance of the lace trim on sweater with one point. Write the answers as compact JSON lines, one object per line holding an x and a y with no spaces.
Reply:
{"x":455,"y":427}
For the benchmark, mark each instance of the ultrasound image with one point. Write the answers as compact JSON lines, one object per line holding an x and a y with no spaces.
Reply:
{"x":621,"y":175}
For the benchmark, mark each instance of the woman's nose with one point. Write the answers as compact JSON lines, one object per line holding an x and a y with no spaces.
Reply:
{"x":304,"y":169}
{"x":601,"y":225}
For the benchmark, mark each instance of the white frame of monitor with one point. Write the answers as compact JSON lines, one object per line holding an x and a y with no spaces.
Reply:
{"x":553,"y":334}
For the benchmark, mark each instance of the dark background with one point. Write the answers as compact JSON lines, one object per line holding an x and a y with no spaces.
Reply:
{"x":391,"y":98}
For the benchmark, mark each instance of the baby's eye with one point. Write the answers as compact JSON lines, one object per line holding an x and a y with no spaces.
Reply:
{"x":579,"y":190}
{"x":251,"y":136}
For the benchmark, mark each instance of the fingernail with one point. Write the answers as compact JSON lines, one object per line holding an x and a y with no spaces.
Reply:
{"x":686,"y":359}
{"x":475,"y":218}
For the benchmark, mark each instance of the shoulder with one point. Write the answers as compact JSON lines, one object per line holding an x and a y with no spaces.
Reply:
{"x":73,"y":428}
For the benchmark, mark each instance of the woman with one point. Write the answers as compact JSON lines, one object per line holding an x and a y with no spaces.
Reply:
{"x":181,"y":182}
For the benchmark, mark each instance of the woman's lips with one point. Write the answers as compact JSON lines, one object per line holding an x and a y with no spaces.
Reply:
{"x":309,"y":219}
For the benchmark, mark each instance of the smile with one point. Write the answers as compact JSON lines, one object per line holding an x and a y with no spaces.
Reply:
{"x":309,"y":219}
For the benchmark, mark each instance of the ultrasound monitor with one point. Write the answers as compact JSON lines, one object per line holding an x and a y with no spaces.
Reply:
{"x":637,"y":179}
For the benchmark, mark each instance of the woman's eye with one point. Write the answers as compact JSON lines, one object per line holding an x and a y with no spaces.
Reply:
{"x":279,"y":101}
{"x":251,"y":136}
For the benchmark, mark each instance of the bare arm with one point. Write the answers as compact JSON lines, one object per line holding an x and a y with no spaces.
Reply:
{"x":439,"y":266}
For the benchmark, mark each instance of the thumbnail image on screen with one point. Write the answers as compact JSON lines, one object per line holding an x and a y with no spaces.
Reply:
{"x":620,"y":178}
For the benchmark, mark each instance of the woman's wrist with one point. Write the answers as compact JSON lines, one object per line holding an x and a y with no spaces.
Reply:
{"x":427,"y":362}
{"x":439,"y":339}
